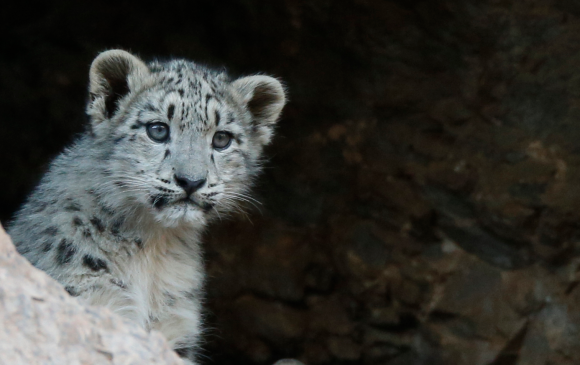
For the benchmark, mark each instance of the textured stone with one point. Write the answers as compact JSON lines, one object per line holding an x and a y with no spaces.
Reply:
{"x":269,"y":320}
{"x":41,"y":324}
{"x":344,"y":348}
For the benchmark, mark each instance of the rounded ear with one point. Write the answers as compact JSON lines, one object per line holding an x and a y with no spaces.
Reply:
{"x":264,"y":97}
{"x":113,"y":75}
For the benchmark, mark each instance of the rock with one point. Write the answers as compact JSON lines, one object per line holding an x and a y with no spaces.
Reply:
{"x":344,"y":348}
{"x":41,"y":324}
{"x":329,"y":316}
{"x":381,"y":352}
{"x":384,"y":316}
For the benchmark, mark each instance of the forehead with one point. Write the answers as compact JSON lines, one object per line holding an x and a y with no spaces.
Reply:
{"x":188,"y":78}
{"x":190,"y":96}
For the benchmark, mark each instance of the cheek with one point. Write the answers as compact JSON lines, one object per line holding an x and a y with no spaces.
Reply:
{"x":231,"y":167}
{"x":143,"y":154}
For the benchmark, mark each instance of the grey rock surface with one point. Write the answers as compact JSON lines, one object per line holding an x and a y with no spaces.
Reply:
{"x":41,"y":324}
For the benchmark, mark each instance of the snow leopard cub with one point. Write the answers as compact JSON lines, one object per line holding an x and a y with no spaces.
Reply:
{"x":118,"y":217}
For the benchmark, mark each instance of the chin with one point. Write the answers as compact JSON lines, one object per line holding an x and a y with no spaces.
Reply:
{"x":180,"y":215}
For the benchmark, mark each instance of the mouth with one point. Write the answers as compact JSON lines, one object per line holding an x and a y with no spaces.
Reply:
{"x":160,"y":202}
{"x":201,"y":205}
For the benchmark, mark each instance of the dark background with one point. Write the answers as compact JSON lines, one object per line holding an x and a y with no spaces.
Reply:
{"x":421,"y":202}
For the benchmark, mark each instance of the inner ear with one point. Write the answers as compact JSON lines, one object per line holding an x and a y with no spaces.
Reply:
{"x":262,"y":99}
{"x":263,"y":95}
{"x":114,"y":74}
{"x":118,"y":89}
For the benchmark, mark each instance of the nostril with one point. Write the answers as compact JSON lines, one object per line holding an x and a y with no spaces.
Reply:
{"x":187,"y":184}
{"x":181,"y":181}
{"x":197,"y":184}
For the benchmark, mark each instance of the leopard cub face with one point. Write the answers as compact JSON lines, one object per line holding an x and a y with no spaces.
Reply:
{"x":178,"y":141}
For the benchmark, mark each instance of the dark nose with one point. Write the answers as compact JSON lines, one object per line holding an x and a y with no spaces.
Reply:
{"x":190,"y":186}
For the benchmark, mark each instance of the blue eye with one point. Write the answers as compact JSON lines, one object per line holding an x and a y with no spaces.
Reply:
{"x":158,"y":132}
{"x":221,"y":140}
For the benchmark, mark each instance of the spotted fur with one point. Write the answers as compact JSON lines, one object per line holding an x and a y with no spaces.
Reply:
{"x":110,"y":220}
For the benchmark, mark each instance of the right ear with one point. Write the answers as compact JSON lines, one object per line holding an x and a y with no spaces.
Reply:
{"x":114,"y":75}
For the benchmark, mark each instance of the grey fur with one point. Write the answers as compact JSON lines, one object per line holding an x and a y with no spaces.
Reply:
{"x":109,"y":220}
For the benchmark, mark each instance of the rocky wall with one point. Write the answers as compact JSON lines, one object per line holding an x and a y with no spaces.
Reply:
{"x":420,"y":204}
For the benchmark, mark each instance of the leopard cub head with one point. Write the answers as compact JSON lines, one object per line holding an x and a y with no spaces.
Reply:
{"x":182,"y":142}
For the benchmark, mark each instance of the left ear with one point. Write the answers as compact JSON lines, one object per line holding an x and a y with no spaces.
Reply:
{"x":264,"y":98}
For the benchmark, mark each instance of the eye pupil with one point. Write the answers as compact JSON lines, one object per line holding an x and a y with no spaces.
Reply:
{"x":222,"y":140}
{"x":158,"y":132}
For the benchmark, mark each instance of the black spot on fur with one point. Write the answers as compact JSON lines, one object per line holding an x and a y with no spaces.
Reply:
{"x":180,"y":91}
{"x":217,"y":118}
{"x":72,"y":207}
{"x":117,"y":140}
{"x":137,"y":125}
{"x":120,"y":184}
{"x":139,"y":242}
{"x":46,"y":246}
{"x":87,"y":233}
{"x":105,"y":209}
{"x":238,"y":138}
{"x":72,"y":291}
{"x":94,"y":263}
{"x":132,"y":138}
{"x":23,"y":250}
{"x":77,"y":222}
{"x":150,"y":107}
{"x":116,"y":226}
{"x":167,"y":154}
{"x":231,"y":119}
{"x":170,"y":299}
{"x":118,"y":283}
{"x":65,"y":252}
{"x":50,"y":231}
{"x":170,"y":111}
{"x":98,"y":224}
{"x":207,"y":206}
{"x":158,"y":201}
{"x":39,"y":207}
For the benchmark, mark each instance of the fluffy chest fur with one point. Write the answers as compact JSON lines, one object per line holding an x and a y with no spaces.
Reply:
{"x":159,"y":287}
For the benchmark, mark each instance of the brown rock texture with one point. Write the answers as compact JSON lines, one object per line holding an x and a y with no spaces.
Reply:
{"x":41,"y":324}
{"x":421,"y":205}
